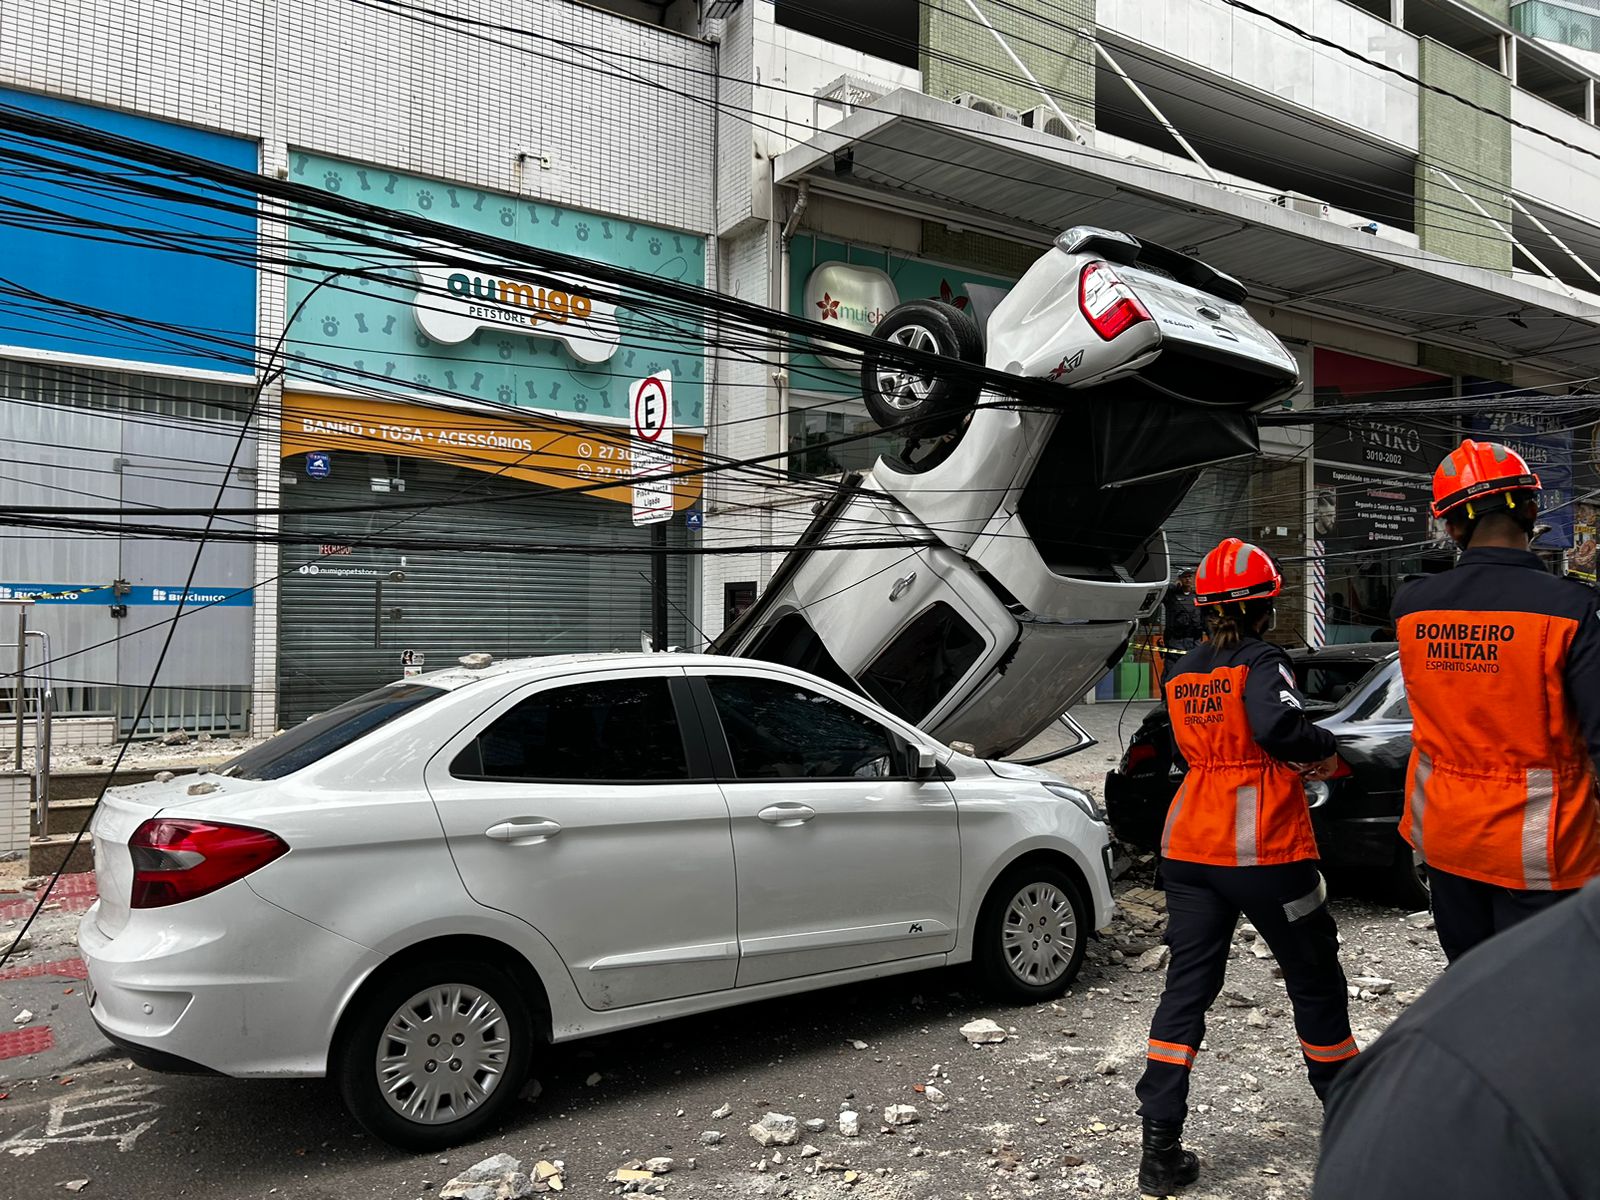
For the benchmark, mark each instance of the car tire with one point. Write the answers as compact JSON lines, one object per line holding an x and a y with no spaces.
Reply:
{"x":905,"y":401}
{"x":1028,"y":915}
{"x":484,"y":1024}
{"x":1405,"y":881}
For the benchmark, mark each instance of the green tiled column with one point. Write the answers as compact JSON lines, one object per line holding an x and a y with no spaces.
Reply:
{"x":960,"y":55}
{"x":1473,"y":148}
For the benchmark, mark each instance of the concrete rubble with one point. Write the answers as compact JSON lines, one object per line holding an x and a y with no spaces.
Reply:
{"x":983,"y":1032}
{"x":775,"y":1129}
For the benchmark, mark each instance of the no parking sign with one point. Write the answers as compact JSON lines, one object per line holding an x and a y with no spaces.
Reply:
{"x":650,"y":403}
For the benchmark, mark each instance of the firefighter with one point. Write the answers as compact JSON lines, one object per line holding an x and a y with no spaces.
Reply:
{"x":1237,"y":840}
{"x":1502,"y":669}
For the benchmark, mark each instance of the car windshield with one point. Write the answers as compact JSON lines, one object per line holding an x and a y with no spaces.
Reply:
{"x":1328,"y":681}
{"x":321,"y":735}
{"x":1385,"y":702}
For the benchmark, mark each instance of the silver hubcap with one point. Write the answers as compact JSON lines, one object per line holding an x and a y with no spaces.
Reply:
{"x":901,"y":389}
{"x":1039,"y":934}
{"x":442,"y":1053}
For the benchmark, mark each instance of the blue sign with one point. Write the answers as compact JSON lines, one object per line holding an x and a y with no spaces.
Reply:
{"x":694,"y":520}
{"x":319,"y":465}
{"x":120,"y":273}
{"x":1544,"y":440}
{"x":66,"y":593}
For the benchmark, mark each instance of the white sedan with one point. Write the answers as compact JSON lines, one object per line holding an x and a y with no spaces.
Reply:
{"x":415,"y":891}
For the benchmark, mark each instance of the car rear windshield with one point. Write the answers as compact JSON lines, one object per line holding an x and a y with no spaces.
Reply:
{"x":1329,"y":681}
{"x":321,"y":735}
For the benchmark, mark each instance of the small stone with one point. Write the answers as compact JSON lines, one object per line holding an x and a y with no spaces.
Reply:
{"x":658,"y":1166}
{"x":202,"y":736}
{"x":901,"y":1114}
{"x":1256,"y":1019}
{"x":1420,"y":920}
{"x":859,"y":1045}
{"x":849,"y":1124}
{"x":1250,"y":1082}
{"x":594,"y":1079}
{"x":1152,"y":959}
{"x":23,"y":1017}
{"x":983,"y":1032}
{"x":935,"y":1070}
{"x":1108,"y":1066}
{"x":712,"y":1137}
{"x":776,"y":1129}
{"x":1234,"y":998}
{"x":935,"y":1097}
{"x":1260,"y":949}
{"x":718,"y":1113}
{"x":94,"y":760}
{"x":630,"y":1175}
{"x":544,"y":1172}
{"x":17,"y":945}
{"x":809,"y":1151}
{"x":75,"y":1185}
{"x":850,"y":1177}
{"x":165,"y":777}
{"x":177,"y":737}
{"x":1373,"y":984}
{"x":1071,"y":1160}
{"x":1099,"y":1127}
{"x":1249,"y":932}
{"x":816,"y":1125}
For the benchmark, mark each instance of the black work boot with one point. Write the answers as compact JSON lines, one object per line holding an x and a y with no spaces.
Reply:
{"x":1165,"y":1165}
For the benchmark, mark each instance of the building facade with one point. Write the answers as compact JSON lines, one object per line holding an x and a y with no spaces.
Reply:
{"x":1407,"y":187}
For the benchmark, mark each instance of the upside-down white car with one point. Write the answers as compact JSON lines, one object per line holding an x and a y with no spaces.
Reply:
{"x":416,"y":891}
{"x":1039,"y":519}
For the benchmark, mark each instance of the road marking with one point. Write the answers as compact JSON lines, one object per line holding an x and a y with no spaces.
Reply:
{"x":117,"y":1111}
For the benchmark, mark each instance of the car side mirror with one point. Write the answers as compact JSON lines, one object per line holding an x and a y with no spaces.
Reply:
{"x":924,"y":762}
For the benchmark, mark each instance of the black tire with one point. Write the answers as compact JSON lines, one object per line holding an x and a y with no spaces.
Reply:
{"x":1405,"y":880}
{"x":918,"y":405}
{"x":502,"y":1041}
{"x":994,"y":950}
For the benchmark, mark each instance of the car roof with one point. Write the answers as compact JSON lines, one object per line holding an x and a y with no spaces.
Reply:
{"x":1370,"y":652}
{"x":543,"y":665}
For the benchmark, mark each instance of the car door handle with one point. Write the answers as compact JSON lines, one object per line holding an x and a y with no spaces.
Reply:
{"x":787,"y":814}
{"x":522,"y":831}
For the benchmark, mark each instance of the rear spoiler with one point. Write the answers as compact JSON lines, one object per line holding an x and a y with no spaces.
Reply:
{"x":825,"y":516}
{"x":1129,"y":251}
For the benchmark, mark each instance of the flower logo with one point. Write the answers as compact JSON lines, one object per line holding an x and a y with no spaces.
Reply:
{"x":829,"y":307}
{"x":947,"y":294}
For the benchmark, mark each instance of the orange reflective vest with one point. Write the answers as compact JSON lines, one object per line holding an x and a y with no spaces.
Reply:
{"x":1239,"y":805}
{"x":1500,"y":787}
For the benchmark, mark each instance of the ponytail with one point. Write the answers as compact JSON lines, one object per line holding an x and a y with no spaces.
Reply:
{"x":1229,"y":624}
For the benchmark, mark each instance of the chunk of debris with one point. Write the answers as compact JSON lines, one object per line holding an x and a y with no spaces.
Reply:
{"x":658,"y":1166}
{"x":816,"y":1125}
{"x":23,"y":1017}
{"x":935,"y":1097}
{"x":593,"y":1080}
{"x":1372,"y":983}
{"x":983,"y":1032}
{"x":901,"y":1114}
{"x":1152,"y":959}
{"x":859,"y":1044}
{"x":849,"y":1123}
{"x":75,"y":1185}
{"x":1108,"y":1066}
{"x":499,"y":1177}
{"x":1256,"y":1019}
{"x":721,"y":1111}
{"x":1233,"y":998}
{"x":776,"y":1129}
{"x":712,"y":1137}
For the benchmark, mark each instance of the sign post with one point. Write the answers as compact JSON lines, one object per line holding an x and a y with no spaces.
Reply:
{"x":650,"y":402}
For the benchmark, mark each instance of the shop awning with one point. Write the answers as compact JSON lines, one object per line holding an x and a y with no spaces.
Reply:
{"x":934,"y":159}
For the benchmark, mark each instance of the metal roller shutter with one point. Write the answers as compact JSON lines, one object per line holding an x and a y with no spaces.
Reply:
{"x":347,"y":611}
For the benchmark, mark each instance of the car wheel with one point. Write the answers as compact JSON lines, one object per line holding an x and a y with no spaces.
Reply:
{"x":1405,"y":882}
{"x":435,"y":1053}
{"x":1031,"y":934}
{"x":906,"y":400}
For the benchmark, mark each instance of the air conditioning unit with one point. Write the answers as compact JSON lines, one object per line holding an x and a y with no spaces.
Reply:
{"x":1295,"y":202}
{"x":987,"y":106}
{"x":1045,"y":120}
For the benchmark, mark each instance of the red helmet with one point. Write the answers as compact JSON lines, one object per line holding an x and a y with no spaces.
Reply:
{"x":1236,"y":570}
{"x":1474,"y":470}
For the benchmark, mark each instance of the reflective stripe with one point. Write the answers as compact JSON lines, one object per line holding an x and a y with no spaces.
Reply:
{"x":1536,"y":830}
{"x":1242,"y":559}
{"x":1297,"y":910}
{"x":1172,"y":815}
{"x":1338,"y":1052}
{"x":1419,"y":797}
{"x":1244,"y":826}
{"x":1175,"y":1053}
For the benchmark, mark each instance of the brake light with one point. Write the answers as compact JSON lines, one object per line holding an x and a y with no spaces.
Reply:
{"x":1139,"y":754}
{"x":1109,"y":304}
{"x":1342,"y":771}
{"x":174,"y":861}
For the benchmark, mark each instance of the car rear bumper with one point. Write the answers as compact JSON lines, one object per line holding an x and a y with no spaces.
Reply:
{"x":227,"y":983}
{"x":1136,"y":808}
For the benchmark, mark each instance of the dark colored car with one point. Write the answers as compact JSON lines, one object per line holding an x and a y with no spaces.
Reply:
{"x":1357,"y":693}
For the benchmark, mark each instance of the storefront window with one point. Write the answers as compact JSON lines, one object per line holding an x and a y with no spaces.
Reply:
{"x":828,"y":441}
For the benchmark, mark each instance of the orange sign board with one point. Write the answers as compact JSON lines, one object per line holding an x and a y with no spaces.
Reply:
{"x":535,"y":448}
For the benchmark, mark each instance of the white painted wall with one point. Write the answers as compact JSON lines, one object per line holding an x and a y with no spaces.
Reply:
{"x":1241,"y":46}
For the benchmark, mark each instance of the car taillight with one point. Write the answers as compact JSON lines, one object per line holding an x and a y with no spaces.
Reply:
{"x":1107,"y":302}
{"x":174,"y":861}
{"x":1342,"y":771}
{"x":1140,"y":754}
